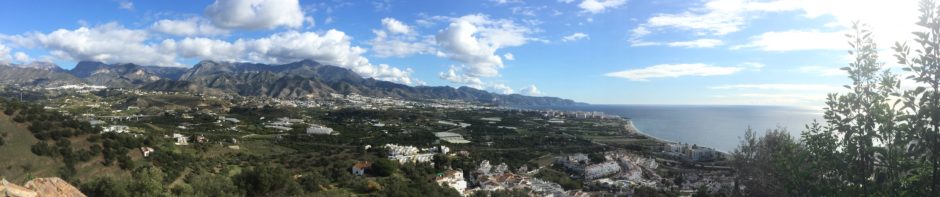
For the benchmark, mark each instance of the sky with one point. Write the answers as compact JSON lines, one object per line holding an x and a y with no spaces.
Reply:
{"x":677,"y":52}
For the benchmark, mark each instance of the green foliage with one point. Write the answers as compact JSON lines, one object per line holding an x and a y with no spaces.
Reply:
{"x":384,"y":167}
{"x":105,"y":187}
{"x":561,"y":178}
{"x":877,"y":140}
{"x":213,"y":185}
{"x":267,"y":181}
{"x":148,"y":181}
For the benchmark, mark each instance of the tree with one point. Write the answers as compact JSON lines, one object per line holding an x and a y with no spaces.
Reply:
{"x":148,"y":181}
{"x":213,"y":185}
{"x":105,"y":187}
{"x":384,"y":167}
{"x":923,"y":103}
{"x":267,"y":181}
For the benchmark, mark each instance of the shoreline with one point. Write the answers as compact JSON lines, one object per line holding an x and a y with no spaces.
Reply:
{"x":631,"y":126}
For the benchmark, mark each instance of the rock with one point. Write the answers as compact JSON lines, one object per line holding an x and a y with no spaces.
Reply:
{"x":13,"y":190}
{"x":53,"y":186}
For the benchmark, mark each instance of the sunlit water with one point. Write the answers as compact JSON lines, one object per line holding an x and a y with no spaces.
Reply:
{"x":719,"y":127}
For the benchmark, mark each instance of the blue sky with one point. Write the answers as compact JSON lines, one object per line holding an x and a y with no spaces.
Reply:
{"x":772,"y":52}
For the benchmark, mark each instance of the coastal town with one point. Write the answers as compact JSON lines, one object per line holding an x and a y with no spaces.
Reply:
{"x":468,"y":147}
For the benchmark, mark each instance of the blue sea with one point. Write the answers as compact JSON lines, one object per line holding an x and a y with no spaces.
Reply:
{"x":719,"y":127}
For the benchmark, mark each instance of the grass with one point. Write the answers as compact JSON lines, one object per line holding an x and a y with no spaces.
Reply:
{"x":17,"y":161}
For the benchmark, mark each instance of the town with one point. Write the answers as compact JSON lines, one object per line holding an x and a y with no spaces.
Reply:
{"x":353,"y":144}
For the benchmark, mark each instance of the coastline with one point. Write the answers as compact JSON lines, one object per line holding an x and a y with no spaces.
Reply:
{"x":631,"y":127}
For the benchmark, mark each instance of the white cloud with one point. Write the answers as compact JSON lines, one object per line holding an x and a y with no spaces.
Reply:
{"x":21,"y":57}
{"x":397,"y":39}
{"x":781,"y":86}
{"x":110,"y":43}
{"x":188,"y":27}
{"x":715,"y":17}
{"x":700,"y":43}
{"x":677,"y":70}
{"x":823,"y":71}
{"x":452,"y":76}
{"x":501,"y":2}
{"x":4,"y":53}
{"x":574,"y":37}
{"x":598,"y":6}
{"x":531,"y":90}
{"x":395,"y":26}
{"x":331,"y":48}
{"x":127,"y":5}
{"x":502,"y":88}
{"x":509,"y":56}
{"x":384,"y":45}
{"x":473,"y":40}
{"x":255,"y":14}
{"x":795,"y":40}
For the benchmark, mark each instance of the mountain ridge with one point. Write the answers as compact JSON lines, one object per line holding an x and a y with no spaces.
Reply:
{"x":306,"y":78}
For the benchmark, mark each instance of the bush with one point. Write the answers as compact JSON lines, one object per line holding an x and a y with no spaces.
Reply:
{"x":384,"y":167}
{"x":267,"y":181}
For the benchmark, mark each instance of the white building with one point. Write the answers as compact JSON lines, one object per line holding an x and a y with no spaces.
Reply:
{"x":453,"y":179}
{"x":181,"y":140}
{"x":116,"y":129}
{"x":601,"y":170}
{"x":319,"y":130}
{"x":146,"y":151}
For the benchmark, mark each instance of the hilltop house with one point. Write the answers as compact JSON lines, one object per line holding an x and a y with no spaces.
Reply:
{"x":453,"y":179}
{"x":181,"y":140}
{"x":359,"y":168}
{"x":146,"y":151}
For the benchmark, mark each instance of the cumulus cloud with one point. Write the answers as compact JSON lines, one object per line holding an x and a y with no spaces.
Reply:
{"x":4,"y":54}
{"x":21,"y":57}
{"x":332,"y":47}
{"x":509,"y":56}
{"x":452,"y":76}
{"x":255,"y":14}
{"x":678,"y":70}
{"x":473,"y":40}
{"x":397,"y":39}
{"x":395,"y":26}
{"x":598,"y":6}
{"x":187,"y":27}
{"x":501,"y":88}
{"x":574,"y":37}
{"x":795,"y":40}
{"x":531,"y":90}
{"x":700,"y":43}
{"x":110,"y":43}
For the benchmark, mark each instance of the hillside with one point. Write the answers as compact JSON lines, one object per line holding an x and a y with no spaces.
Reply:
{"x":302,"y":79}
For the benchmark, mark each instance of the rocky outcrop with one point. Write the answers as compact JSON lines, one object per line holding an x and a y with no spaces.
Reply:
{"x":13,"y":190}
{"x":40,"y":187}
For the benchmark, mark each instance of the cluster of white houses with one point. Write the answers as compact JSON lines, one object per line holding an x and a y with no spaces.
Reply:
{"x":692,"y":152}
{"x":405,"y":154}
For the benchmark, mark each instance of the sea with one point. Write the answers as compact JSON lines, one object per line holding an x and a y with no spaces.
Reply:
{"x":716,"y":126}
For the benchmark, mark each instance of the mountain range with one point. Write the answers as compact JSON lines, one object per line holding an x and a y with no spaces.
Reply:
{"x":305,"y":78}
